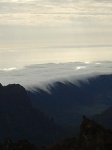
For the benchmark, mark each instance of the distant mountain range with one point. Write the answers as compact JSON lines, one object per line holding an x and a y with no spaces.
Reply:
{"x":45,"y":117}
{"x":67,"y":102}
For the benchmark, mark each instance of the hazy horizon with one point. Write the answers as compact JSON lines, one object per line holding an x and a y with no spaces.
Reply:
{"x":47,"y":31}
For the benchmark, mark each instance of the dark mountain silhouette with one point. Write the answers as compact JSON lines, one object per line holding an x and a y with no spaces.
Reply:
{"x":92,"y":137}
{"x":104,"y":118}
{"x":66,"y":102}
{"x":19,"y":120}
{"x":20,"y":145}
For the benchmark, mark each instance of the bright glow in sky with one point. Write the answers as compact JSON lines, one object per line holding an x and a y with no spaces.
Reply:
{"x":42,"y":31}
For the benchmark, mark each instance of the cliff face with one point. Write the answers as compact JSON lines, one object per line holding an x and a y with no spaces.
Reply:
{"x":92,"y":137}
{"x":13,"y":96}
{"x":14,"y":105}
{"x":19,"y":120}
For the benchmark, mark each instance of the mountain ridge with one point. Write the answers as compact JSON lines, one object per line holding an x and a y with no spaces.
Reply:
{"x":92,"y":136}
{"x":19,"y":120}
{"x":68,"y":102}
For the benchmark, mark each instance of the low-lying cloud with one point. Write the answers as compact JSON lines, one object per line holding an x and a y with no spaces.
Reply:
{"x":41,"y":75}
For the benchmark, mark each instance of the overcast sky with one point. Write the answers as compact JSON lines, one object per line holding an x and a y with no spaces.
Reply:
{"x":42,"y":31}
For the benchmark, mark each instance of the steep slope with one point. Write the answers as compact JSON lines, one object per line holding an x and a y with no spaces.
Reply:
{"x":19,"y":120}
{"x":92,"y":137}
{"x":104,"y":118}
{"x":66,"y":102}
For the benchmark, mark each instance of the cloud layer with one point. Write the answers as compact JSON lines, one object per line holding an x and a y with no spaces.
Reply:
{"x":44,"y":74}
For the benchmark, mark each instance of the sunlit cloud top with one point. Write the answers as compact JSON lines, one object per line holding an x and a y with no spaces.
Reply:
{"x":44,"y":74}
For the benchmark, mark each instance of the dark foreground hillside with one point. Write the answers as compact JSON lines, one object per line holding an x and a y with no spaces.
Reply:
{"x":20,"y":121}
{"x":92,"y":137}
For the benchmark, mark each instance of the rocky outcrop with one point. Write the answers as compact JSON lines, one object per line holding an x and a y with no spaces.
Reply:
{"x":19,"y":120}
{"x":92,"y":137}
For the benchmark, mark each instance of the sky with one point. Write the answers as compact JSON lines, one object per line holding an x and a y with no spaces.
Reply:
{"x":58,"y":31}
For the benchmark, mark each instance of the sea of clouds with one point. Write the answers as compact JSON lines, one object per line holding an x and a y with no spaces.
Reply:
{"x":43,"y":75}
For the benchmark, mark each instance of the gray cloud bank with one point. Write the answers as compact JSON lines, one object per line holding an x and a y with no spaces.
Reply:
{"x":41,"y":75}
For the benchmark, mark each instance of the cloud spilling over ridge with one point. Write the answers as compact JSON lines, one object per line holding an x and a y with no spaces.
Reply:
{"x":41,"y":75}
